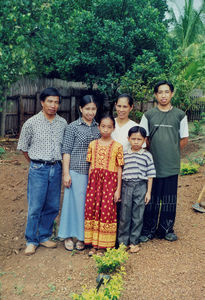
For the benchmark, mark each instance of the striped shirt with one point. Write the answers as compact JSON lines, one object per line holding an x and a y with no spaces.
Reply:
{"x":138,"y":165}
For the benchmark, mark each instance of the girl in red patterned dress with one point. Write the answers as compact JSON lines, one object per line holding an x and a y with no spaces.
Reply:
{"x":103,"y":190}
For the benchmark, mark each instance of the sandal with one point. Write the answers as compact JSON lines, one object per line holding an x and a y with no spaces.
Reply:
{"x":101,"y":252}
{"x":134,"y":248}
{"x":92,"y":252}
{"x":68,"y":244}
{"x":80,"y":246}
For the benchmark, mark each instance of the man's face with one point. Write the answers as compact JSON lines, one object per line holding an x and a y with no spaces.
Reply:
{"x":164,"y":95}
{"x":50,"y":105}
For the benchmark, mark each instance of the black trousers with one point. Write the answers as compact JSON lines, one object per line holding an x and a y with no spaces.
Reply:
{"x":160,"y":213}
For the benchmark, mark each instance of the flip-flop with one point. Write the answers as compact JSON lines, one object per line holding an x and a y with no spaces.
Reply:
{"x":197,"y":207}
{"x":92,"y":252}
{"x":80,"y":246}
{"x":134,"y":248}
{"x":101,"y":252}
{"x":69,"y":245}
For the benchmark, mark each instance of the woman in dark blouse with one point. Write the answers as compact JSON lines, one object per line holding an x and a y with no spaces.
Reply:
{"x":78,"y":136}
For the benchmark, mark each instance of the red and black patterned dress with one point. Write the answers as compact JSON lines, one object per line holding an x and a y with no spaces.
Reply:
{"x":100,"y":208}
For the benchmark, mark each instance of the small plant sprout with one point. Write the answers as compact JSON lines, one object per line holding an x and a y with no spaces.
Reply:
{"x":18,"y":289}
{"x":52,"y":287}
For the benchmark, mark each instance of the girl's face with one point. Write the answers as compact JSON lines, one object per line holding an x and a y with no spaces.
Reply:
{"x":136,"y":141}
{"x":88,"y":112}
{"x":123,"y":108}
{"x":106,"y":127}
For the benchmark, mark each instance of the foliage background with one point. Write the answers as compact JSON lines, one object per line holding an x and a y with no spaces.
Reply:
{"x":120,"y":45}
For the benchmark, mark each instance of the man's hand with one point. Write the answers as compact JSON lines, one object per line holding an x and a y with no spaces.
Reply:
{"x":26,"y":156}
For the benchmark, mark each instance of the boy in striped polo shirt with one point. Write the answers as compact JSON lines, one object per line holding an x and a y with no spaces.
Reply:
{"x":137,"y":176}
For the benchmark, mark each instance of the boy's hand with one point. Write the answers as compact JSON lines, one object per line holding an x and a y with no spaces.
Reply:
{"x":147,"y":198}
{"x":117,"y":196}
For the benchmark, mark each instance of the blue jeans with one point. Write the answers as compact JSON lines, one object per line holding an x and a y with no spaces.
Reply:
{"x":44,"y":190}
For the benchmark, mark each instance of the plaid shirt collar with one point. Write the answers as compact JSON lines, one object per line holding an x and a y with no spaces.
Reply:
{"x":80,"y":121}
{"x":42,"y":117}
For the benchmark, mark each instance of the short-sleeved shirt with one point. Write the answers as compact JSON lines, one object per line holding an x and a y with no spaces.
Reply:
{"x":78,"y":136}
{"x":138,"y":165}
{"x":120,"y":134}
{"x":41,"y":138}
{"x":107,"y":157}
{"x":165,"y":143}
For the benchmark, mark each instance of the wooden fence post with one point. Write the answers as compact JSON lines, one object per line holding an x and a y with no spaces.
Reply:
{"x":20,"y":113}
{"x":3,"y":118}
{"x":37,"y":100}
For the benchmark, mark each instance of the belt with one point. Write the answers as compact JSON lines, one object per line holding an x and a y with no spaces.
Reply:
{"x":45,"y":162}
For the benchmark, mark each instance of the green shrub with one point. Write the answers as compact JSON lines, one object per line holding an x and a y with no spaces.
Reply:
{"x":138,"y":116}
{"x":2,"y":151}
{"x":197,"y":128}
{"x":188,"y":168}
{"x":202,"y":121}
{"x":112,"y":259}
{"x":198,"y":160}
{"x":110,"y":291}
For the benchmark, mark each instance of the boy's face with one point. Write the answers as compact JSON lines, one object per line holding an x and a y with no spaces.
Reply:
{"x":136,"y":141}
{"x":164,"y":95}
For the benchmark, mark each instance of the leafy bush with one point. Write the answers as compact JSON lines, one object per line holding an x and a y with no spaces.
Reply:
{"x":188,"y":168}
{"x":2,"y":151}
{"x":112,"y":259}
{"x":197,"y":128}
{"x":198,"y":160}
{"x":108,"y":263}
{"x":138,"y":115}
{"x":202,"y":121}
{"x":111,"y":290}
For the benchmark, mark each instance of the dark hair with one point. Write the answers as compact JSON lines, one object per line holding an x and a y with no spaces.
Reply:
{"x":50,"y":91}
{"x":161,"y":83}
{"x":130,"y":99}
{"x":136,"y":129}
{"x":107,"y":116}
{"x":86,"y":100}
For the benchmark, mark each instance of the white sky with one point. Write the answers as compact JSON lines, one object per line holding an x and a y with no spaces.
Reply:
{"x":180,"y":3}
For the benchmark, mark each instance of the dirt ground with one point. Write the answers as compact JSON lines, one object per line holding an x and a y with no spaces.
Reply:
{"x":160,"y":271}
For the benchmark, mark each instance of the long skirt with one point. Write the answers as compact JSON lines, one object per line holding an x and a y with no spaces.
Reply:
{"x":73,"y":209}
{"x":100,"y":209}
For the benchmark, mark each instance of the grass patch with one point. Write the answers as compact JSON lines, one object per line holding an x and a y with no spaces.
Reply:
{"x":18,"y":289}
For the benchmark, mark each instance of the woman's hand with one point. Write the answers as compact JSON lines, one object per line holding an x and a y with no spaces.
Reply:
{"x":67,"y":180}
